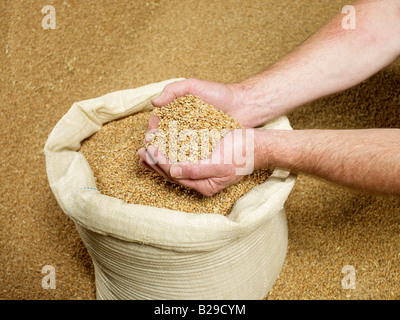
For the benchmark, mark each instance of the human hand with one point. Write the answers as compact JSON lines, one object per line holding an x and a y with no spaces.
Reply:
{"x":231,"y":159}
{"x":226,"y":97}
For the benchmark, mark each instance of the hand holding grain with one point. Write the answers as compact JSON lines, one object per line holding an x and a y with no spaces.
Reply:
{"x":198,"y":166}
{"x":226,"y":97}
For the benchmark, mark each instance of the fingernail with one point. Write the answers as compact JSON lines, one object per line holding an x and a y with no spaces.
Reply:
{"x":150,"y":135}
{"x":176,"y":171}
{"x":138,"y":152}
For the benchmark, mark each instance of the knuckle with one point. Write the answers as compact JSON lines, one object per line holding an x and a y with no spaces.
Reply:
{"x":167,"y":89}
{"x":193,"y":172}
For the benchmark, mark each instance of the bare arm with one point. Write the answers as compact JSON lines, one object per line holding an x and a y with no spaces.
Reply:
{"x":332,"y":60}
{"x":366,"y":159}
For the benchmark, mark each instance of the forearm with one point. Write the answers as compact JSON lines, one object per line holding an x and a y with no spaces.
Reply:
{"x":332,"y":60}
{"x":364,"y":159}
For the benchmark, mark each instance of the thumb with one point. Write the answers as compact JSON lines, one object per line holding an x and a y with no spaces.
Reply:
{"x":159,"y":101}
{"x":199,"y":171}
{"x":172,"y":91}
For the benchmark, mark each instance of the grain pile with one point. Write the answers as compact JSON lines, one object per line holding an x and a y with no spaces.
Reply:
{"x":45,"y":71}
{"x":111,"y":153}
{"x":189,"y":129}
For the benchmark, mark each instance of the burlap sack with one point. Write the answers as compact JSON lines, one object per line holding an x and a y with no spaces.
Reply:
{"x":142,"y":252}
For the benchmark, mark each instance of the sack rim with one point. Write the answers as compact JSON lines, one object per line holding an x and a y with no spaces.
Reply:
{"x":179,"y":230}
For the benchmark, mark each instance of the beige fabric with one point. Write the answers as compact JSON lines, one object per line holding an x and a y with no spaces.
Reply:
{"x":142,"y":252}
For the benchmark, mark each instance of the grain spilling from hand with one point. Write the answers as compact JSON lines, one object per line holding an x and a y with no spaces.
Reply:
{"x":111,"y":153}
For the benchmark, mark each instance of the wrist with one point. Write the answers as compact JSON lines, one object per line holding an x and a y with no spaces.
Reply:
{"x":264,"y":149}
{"x":263,"y":97}
{"x":274,"y":149}
{"x":249,"y":109}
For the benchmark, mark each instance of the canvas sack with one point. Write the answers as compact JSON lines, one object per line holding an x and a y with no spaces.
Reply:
{"x":144,"y":252}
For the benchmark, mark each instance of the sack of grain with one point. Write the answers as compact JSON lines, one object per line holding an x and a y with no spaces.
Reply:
{"x":144,"y":252}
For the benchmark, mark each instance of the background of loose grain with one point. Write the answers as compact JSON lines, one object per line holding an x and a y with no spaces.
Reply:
{"x":100,"y":46}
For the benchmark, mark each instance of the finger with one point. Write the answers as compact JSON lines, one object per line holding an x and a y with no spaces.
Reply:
{"x":206,"y":187}
{"x":141,"y":153}
{"x":156,"y":169}
{"x":144,"y":164}
{"x":162,"y":161}
{"x":147,"y":157}
{"x":157,"y":156}
{"x":199,"y":171}
{"x":172,"y":91}
{"x":150,"y":135}
{"x":200,"y":186}
{"x":153,"y":121}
